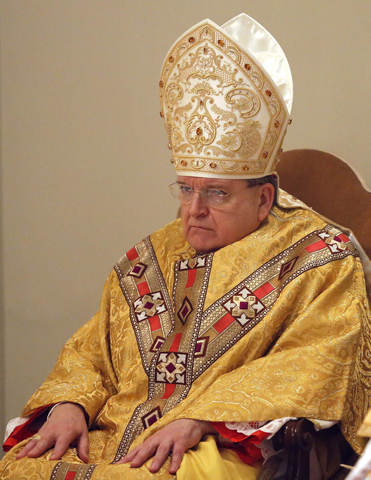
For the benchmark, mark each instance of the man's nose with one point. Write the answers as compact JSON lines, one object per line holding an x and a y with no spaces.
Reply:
{"x":197,"y":205}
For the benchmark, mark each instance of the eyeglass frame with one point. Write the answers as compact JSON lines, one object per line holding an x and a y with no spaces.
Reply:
{"x":204,"y":196}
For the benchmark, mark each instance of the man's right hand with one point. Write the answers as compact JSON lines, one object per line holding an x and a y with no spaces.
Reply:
{"x":65,"y":426}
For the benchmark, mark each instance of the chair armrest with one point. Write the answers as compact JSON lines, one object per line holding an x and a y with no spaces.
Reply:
{"x":296,"y":437}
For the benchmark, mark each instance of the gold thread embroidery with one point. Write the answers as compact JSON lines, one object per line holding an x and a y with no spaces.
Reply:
{"x":205,"y":70}
{"x":172,"y":364}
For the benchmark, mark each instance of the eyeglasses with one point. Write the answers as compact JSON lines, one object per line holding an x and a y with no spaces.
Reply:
{"x":211,"y":196}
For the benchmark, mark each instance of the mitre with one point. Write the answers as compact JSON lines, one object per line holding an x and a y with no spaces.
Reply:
{"x":226,"y":97}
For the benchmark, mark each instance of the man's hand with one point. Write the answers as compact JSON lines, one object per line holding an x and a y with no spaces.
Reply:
{"x":65,"y":426}
{"x":175,"y":438}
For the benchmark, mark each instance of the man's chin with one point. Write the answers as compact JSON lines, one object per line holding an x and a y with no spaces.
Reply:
{"x":202,"y":245}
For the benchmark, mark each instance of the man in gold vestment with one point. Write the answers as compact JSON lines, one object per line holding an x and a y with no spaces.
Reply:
{"x":246,"y":309}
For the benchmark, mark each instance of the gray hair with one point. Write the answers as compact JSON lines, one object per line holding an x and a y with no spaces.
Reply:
{"x":272,"y":179}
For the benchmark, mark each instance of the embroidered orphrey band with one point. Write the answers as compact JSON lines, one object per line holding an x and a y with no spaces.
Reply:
{"x":72,"y":471}
{"x":167,"y":347}
{"x":151,"y":309}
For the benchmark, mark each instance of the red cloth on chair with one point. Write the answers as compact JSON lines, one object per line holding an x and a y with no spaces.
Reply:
{"x":26,"y":430}
{"x":245,"y":447}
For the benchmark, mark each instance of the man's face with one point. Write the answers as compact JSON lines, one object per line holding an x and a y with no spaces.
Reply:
{"x":209,"y":228}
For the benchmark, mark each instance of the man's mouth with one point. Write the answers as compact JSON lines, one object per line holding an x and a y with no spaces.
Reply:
{"x":199,"y":230}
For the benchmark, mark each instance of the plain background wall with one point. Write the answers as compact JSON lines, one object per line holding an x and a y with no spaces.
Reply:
{"x":85,"y":164}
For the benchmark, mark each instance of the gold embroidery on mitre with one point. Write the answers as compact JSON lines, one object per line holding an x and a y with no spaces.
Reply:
{"x":223,"y":114}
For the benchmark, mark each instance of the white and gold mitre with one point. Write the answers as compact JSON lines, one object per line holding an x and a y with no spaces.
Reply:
{"x":226,"y":97}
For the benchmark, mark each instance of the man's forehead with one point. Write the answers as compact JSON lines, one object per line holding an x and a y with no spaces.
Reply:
{"x":208,"y":182}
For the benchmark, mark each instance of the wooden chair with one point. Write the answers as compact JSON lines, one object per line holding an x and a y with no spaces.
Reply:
{"x":296,"y":438}
{"x":331,"y":186}
{"x":336,"y":190}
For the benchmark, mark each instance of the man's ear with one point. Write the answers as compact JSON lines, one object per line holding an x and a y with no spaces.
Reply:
{"x":266,"y":192}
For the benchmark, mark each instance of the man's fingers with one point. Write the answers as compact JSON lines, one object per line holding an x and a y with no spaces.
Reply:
{"x":159,"y":459}
{"x":128,"y":457}
{"x":38,"y":447}
{"x":41,"y":446}
{"x":143,"y":453}
{"x":83,"y":447}
{"x":66,"y":424}
{"x":35,"y":448}
{"x":176,"y":460}
{"x":30,"y":445}
{"x":177,"y":437}
{"x":60,"y":448}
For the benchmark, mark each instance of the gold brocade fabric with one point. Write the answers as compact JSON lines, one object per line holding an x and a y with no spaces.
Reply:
{"x":265,"y":328}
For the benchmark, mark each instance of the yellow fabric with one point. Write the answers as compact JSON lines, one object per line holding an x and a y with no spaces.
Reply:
{"x":298,"y":361}
{"x":206,"y":461}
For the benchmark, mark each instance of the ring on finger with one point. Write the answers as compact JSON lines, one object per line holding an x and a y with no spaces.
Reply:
{"x":37,"y":436}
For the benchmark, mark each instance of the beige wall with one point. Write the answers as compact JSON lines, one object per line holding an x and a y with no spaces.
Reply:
{"x":85,"y":166}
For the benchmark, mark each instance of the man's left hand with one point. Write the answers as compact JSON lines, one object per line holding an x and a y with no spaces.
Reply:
{"x":175,"y":438}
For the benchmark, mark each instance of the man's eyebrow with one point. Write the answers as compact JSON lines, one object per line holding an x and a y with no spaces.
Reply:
{"x":218,"y":186}
{"x":213,"y":186}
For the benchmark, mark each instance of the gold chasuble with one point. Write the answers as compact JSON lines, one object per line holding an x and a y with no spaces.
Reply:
{"x":265,"y":328}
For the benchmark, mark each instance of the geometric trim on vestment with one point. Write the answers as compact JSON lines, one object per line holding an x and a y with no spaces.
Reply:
{"x":238,"y":311}
{"x":243,"y":306}
{"x":185,"y":310}
{"x":138,"y":270}
{"x":194,"y":339}
{"x":149,"y":305}
{"x":151,"y":417}
{"x":169,"y":352}
{"x":151,"y":309}
{"x":171,"y":367}
{"x":72,"y":471}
